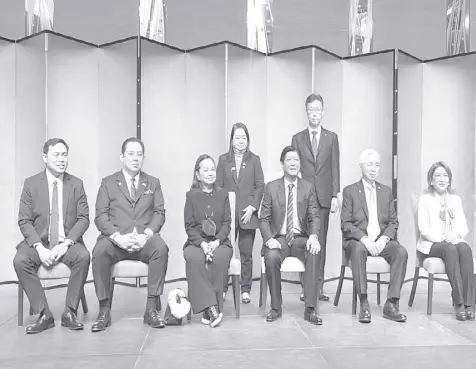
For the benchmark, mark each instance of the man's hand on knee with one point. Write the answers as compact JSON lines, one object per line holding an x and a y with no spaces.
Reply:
{"x":273,"y":243}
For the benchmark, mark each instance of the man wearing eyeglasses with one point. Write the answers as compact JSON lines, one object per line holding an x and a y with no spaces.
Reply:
{"x":318,"y":149}
{"x":369,"y":226}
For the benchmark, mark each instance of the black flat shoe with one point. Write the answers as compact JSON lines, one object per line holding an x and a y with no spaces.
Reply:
{"x":153,"y":319}
{"x":102,"y":322}
{"x":41,"y":325}
{"x":323,"y":297}
{"x":311,"y":316}
{"x":391,"y":312}
{"x":273,"y":315}
{"x":461,"y":316}
{"x":470,"y":314}
{"x":364,"y":315}
{"x":71,"y":321}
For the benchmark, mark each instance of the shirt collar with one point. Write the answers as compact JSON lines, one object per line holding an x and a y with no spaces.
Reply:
{"x":368,"y":185}
{"x":287,"y":182}
{"x":318,"y":130}
{"x":51,"y":178}
{"x":129,"y":177}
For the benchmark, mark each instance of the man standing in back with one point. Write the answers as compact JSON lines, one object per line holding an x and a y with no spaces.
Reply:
{"x":318,"y":149}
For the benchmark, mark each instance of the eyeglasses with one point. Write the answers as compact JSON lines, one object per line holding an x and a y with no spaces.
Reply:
{"x":311,"y":110}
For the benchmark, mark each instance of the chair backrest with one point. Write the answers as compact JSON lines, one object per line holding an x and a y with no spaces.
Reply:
{"x":232,"y":199}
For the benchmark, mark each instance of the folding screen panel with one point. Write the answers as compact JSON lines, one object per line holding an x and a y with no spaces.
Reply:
{"x":167,"y":137}
{"x":367,"y":119}
{"x":448,"y":125}
{"x":328,"y":81}
{"x":117,"y":102}
{"x":409,"y":170}
{"x":191,"y":24}
{"x":246,"y":102}
{"x":72,"y":112}
{"x":97,"y":21}
{"x":7,"y":165}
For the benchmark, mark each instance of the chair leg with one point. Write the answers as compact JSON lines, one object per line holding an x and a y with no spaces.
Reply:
{"x":235,"y":280}
{"x":414,"y":286}
{"x":84,"y":304}
{"x":263,"y":290}
{"x":430,"y":294}
{"x":354,"y":299}
{"x":137,"y":282}
{"x":339,"y":286}
{"x":20,"y":304}
{"x":31,"y":310}
{"x":113,"y":282}
{"x":378,"y":289}
{"x":189,"y":316}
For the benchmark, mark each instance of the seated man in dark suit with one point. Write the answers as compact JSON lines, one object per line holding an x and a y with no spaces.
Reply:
{"x":289,"y":225}
{"x":369,"y":227}
{"x":53,"y":217}
{"x":130,"y":214}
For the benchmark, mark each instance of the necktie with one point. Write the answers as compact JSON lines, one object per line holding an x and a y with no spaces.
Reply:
{"x":54,"y":218}
{"x":290,"y":217}
{"x":373,"y":228}
{"x":314,"y":144}
{"x":133,"y":188}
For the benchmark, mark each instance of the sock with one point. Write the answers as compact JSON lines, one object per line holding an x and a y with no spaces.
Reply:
{"x":151,"y":303}
{"x":393,"y":300}
{"x":46,"y":312}
{"x":104,"y":306}
{"x":363,"y":297}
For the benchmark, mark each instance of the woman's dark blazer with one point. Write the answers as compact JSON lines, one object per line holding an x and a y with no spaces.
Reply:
{"x":196,"y":210}
{"x":248,"y":187}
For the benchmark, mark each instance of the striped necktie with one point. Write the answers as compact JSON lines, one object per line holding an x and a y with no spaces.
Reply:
{"x":290,"y":216}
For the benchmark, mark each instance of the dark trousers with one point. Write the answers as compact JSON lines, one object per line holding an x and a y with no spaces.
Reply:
{"x":273,"y":258}
{"x":324,"y":225}
{"x":459,"y":268}
{"x":27,"y":262}
{"x":206,"y":281}
{"x":245,"y":244}
{"x":155,"y":253}
{"x":394,"y":253}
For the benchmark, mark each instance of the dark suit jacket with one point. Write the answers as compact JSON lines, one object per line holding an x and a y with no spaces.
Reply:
{"x":117,"y":212}
{"x":324,"y":171}
{"x":197,"y":210}
{"x":355,"y":214}
{"x":34,"y":213}
{"x":273,"y":208}
{"x":248,"y":187}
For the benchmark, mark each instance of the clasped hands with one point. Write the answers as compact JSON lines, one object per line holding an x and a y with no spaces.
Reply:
{"x":50,"y":257}
{"x":209,"y":248}
{"x":450,"y":237}
{"x":312,"y":244}
{"x":131,"y":242}
{"x":375,"y":247}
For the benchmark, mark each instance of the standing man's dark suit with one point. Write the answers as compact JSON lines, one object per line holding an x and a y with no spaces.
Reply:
{"x":323,"y":171}
{"x":34,"y":222}
{"x":272,"y":217}
{"x":248,"y":187}
{"x":355,"y":220}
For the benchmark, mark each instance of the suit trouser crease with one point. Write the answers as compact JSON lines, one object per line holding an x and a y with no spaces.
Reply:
{"x":206,"y":282}
{"x":245,"y":244}
{"x":324,"y":227}
{"x":459,"y":268}
{"x":393,"y":253}
{"x":27,"y":262}
{"x":106,"y":254}
{"x":273,"y":258}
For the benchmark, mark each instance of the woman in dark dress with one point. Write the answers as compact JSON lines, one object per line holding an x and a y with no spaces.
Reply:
{"x":208,"y":250}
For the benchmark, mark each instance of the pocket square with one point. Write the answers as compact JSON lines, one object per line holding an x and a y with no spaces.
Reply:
{"x":148,"y":192}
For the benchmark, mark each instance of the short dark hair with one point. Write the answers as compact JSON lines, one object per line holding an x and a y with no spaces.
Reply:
{"x":285,"y":151}
{"x":196,"y":168}
{"x":233,"y":129}
{"x":53,"y":142}
{"x":431,"y":172}
{"x":314,"y":97}
{"x":132,"y":139}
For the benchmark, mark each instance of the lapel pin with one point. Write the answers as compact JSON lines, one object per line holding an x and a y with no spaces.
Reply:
{"x":143,"y":184}
{"x":120,"y":184}
{"x":233,"y":169}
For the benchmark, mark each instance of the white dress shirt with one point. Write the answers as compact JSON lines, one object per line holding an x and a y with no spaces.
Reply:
{"x":128,"y":179}
{"x":430,"y":225}
{"x":318,"y":134}
{"x":51,"y":179}
{"x":373,"y":227}
{"x":296,"y":224}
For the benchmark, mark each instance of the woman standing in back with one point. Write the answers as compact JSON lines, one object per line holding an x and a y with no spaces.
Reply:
{"x":442,"y":226}
{"x":239,"y":171}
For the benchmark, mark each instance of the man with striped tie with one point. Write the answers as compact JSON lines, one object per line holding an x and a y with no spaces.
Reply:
{"x":289,"y":225}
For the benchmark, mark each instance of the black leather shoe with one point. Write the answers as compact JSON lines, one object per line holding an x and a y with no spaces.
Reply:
{"x":41,"y":325}
{"x":310,"y":315}
{"x":152,"y":318}
{"x":391,"y":312}
{"x":273,"y":315}
{"x":364,"y":315}
{"x":323,"y":297}
{"x":102,"y":322}
{"x":70,"y":321}
{"x":469,"y":314}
